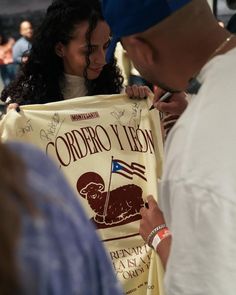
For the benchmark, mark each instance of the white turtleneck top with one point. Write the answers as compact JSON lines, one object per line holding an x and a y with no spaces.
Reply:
{"x":74,"y":87}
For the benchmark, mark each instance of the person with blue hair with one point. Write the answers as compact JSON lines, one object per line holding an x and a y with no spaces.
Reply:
{"x":179,"y":46}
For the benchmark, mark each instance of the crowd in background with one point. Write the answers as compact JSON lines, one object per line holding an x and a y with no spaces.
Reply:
{"x":14,"y":52}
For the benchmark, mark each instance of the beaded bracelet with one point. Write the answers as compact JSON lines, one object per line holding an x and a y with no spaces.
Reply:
{"x":153,"y":233}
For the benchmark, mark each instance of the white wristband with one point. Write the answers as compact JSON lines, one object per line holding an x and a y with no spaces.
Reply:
{"x":155,"y":242}
{"x":160,"y":235}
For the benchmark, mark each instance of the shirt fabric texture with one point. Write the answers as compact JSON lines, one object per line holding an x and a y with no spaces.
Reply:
{"x":20,"y":48}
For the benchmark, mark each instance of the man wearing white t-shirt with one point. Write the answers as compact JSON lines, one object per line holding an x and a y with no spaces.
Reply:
{"x":179,"y":46}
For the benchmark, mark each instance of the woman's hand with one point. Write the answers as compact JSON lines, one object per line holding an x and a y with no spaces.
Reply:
{"x":136,"y":91}
{"x":13,"y":106}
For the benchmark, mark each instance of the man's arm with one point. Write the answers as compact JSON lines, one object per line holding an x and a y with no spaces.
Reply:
{"x":17,"y":53}
{"x":152,"y":217}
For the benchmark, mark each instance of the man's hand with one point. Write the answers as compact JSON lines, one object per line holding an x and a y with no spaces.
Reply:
{"x":175,"y":105}
{"x":151,"y":218}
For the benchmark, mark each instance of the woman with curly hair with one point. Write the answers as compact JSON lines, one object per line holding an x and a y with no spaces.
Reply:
{"x":67,"y":58}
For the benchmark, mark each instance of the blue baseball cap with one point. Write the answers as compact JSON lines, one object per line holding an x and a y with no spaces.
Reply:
{"x":128,"y":17}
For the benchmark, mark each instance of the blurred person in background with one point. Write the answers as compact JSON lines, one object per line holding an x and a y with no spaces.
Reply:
{"x":23,"y":45}
{"x":7,"y":67}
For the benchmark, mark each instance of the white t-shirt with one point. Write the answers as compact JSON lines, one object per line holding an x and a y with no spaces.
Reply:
{"x":198,"y":188}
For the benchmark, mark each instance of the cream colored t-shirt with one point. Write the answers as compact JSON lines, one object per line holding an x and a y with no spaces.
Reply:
{"x":198,"y":188}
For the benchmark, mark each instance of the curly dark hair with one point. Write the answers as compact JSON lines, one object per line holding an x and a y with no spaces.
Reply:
{"x":39,"y":79}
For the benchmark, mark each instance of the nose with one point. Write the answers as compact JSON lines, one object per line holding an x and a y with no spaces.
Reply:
{"x":100,"y":57}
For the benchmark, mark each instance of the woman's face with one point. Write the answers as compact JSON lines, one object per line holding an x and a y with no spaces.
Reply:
{"x":75,"y":52}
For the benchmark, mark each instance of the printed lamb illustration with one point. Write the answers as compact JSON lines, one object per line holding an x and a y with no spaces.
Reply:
{"x":123,"y":202}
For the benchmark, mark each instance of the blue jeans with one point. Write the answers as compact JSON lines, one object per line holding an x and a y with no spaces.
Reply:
{"x":8,"y":73}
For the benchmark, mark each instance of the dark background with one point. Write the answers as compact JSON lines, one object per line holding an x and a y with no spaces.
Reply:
{"x":13,"y":12}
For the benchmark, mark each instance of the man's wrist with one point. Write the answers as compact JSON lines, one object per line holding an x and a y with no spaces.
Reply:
{"x":160,"y":236}
{"x":153,"y":233}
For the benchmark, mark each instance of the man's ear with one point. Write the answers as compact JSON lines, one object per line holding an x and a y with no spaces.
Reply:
{"x":59,"y":49}
{"x":139,"y":49}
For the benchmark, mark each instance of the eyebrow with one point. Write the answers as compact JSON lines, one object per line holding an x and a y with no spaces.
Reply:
{"x":94,"y":45}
